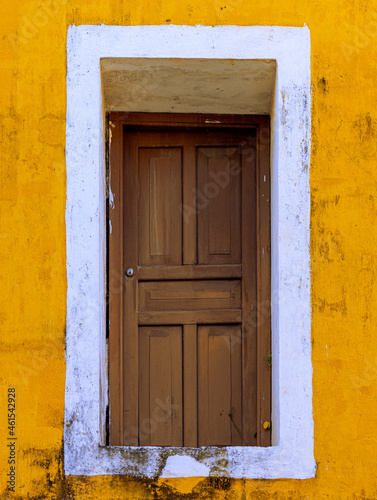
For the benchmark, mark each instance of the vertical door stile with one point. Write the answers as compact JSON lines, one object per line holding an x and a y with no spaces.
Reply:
{"x":189,"y":207}
{"x":237,"y":432}
{"x":190,"y":384}
{"x":115,"y":283}
{"x":130,"y":306}
{"x":177,"y":388}
{"x":190,"y":361}
{"x":264,"y":285}
{"x":249,"y":299}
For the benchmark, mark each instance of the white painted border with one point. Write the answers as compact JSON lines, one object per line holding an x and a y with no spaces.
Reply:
{"x":292,"y":456}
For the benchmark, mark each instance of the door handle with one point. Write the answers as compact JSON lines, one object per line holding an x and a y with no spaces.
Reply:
{"x":130,"y":272}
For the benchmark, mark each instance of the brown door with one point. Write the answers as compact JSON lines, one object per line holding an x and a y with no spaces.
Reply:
{"x":189,"y":342}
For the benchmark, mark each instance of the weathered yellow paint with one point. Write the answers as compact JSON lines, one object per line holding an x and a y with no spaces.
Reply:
{"x":343,"y":244}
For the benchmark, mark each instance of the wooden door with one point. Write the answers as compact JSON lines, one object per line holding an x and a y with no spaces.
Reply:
{"x":189,"y":281}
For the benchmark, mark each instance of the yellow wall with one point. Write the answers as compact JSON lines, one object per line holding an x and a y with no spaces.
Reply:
{"x":343,"y":245}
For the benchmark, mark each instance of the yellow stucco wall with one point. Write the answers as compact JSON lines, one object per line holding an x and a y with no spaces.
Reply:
{"x":343,"y":244}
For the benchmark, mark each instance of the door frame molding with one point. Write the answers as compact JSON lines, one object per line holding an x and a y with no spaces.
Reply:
{"x":188,"y":49}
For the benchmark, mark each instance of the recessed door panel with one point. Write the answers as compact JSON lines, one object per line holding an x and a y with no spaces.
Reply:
{"x":189,"y":295}
{"x":160,"y":386}
{"x":219,"y":205}
{"x":219,"y":385}
{"x":160,"y":199}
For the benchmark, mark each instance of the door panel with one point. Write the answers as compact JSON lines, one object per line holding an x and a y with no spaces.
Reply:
{"x":219,"y":384}
{"x":160,"y":198}
{"x":219,"y":205}
{"x":160,"y":386}
{"x":189,"y":295}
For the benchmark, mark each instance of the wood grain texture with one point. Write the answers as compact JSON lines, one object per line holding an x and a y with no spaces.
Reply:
{"x":219,"y":395}
{"x":190,"y":383}
{"x":189,"y":295}
{"x":264,"y":289}
{"x":189,"y":272}
{"x":249,"y":294}
{"x":116,"y":288}
{"x":160,"y":199}
{"x":171,"y":121}
{"x":160,"y":386}
{"x":130,"y":326}
{"x":189,"y":206}
{"x":204,"y":317}
{"x":219,"y":205}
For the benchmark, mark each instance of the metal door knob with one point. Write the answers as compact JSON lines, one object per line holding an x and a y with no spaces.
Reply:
{"x":130,"y":272}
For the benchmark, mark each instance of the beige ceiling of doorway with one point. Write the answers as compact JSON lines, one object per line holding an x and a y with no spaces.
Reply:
{"x":188,"y":85}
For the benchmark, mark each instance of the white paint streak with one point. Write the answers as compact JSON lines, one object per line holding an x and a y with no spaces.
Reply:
{"x":86,"y":383}
{"x":111,"y":198}
{"x":178,"y":466}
